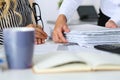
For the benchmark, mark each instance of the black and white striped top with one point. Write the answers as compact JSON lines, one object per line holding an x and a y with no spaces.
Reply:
{"x":14,"y":20}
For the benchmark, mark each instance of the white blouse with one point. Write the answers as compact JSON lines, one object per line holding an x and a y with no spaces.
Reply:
{"x":111,"y":8}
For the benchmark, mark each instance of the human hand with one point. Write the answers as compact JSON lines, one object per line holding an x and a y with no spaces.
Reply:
{"x":60,"y":28}
{"x":111,"y":24}
{"x":40,"y":35}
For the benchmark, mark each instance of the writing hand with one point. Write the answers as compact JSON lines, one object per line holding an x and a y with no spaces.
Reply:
{"x":40,"y":35}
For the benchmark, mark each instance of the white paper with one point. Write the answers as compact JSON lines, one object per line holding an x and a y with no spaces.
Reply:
{"x":45,"y":48}
{"x":92,"y":34}
{"x":51,"y":47}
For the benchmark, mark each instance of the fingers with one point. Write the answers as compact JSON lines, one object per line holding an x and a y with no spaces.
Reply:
{"x":40,"y":35}
{"x":66,"y":29}
{"x":39,"y":41}
{"x":60,"y":28}
{"x":59,"y":38}
{"x":111,"y":24}
{"x":58,"y":34}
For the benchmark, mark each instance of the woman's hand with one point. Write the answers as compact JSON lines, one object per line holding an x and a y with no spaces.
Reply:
{"x":40,"y":35}
{"x":60,"y":28}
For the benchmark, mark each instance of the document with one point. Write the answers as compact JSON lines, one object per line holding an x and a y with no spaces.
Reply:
{"x":50,"y":46}
{"x":93,"y":35}
{"x":66,"y":61}
{"x":45,"y":48}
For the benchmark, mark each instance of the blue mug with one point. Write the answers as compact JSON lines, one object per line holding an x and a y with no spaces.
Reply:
{"x":19,"y":46}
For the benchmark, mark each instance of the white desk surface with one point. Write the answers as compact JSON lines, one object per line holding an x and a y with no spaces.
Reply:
{"x":28,"y":74}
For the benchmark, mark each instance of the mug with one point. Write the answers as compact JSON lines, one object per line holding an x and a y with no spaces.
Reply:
{"x":19,"y":46}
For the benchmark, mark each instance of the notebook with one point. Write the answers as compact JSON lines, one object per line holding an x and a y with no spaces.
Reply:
{"x":87,"y":13}
{"x":65,"y":61}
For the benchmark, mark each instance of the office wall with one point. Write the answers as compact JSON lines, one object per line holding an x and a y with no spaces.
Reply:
{"x":49,"y":8}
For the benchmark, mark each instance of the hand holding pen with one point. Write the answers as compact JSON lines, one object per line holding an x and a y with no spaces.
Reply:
{"x":40,"y":35}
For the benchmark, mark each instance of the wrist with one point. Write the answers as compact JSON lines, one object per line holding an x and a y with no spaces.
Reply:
{"x":62,"y":17}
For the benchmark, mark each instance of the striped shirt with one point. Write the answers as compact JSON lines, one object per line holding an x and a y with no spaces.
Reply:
{"x":13,"y":20}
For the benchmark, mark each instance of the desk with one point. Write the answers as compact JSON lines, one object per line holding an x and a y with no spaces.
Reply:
{"x":27,"y":74}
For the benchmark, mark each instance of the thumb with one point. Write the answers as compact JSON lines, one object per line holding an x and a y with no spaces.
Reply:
{"x":66,"y":29}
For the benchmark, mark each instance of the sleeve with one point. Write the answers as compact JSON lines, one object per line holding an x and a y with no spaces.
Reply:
{"x":115,"y":1}
{"x":116,"y":16}
{"x":68,"y":7}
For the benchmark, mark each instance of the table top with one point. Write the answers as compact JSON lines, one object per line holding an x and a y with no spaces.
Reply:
{"x":28,"y":74}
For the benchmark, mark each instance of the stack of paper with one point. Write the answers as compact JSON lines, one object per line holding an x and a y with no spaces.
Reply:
{"x":92,"y":34}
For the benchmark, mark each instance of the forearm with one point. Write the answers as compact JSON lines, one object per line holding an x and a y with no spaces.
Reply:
{"x":116,"y":12}
{"x":116,"y":18}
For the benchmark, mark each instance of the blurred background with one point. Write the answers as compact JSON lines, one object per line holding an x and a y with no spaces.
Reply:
{"x":49,"y":10}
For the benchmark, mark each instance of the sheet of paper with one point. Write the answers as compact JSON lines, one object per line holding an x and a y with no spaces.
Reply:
{"x":50,"y":47}
{"x":45,"y":48}
{"x":59,"y":58}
